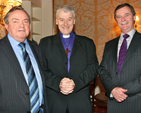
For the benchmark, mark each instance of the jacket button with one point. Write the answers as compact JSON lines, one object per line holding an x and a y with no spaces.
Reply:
{"x":66,"y":63}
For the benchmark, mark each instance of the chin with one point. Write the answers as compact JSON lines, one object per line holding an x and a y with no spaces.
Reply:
{"x":65,"y":33}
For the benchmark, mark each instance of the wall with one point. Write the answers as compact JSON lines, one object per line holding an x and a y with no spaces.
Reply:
{"x":47,"y":18}
{"x":41,"y":12}
{"x":95,"y":19}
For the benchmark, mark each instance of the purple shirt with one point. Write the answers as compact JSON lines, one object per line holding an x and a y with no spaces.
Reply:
{"x":68,"y":43}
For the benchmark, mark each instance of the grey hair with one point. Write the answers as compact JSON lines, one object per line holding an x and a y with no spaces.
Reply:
{"x":66,"y":8}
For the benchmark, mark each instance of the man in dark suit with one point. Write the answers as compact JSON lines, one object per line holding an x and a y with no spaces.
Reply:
{"x":16,"y":87}
{"x":120,"y":69}
{"x":70,"y":64}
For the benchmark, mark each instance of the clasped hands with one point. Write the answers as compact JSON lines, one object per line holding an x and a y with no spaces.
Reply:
{"x":119,"y":94}
{"x":66,"y":86}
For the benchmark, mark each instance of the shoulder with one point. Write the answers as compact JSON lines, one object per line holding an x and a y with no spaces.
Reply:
{"x":85,"y":42}
{"x":47,"y":38}
{"x":33,"y":45}
{"x":111,"y":44}
{"x":33,"y":42}
{"x":49,"y":41}
{"x":113,"y":41}
{"x":84,"y":39}
{"x":137,"y":34}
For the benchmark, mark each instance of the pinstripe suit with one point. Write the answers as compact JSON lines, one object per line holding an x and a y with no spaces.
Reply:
{"x":14,"y":91}
{"x":130,"y":75}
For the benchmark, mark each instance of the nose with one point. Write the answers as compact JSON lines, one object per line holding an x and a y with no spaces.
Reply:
{"x":65,"y":22}
{"x":21,"y":24}
{"x":122,"y":18}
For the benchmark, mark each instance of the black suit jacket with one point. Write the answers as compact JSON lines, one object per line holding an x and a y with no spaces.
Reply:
{"x":14,"y":91}
{"x":83,"y":70}
{"x":130,"y":77}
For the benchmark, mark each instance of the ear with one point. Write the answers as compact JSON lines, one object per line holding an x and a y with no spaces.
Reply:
{"x":56,"y":21}
{"x":6,"y":26}
{"x":135,"y":17}
{"x":74,"y":21}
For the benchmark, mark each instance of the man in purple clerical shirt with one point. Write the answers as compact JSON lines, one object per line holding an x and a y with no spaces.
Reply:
{"x":70,"y":65}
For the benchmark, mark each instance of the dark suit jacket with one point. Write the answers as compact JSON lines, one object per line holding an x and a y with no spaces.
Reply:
{"x":83,"y":70}
{"x":130,"y":77}
{"x":14,"y":91}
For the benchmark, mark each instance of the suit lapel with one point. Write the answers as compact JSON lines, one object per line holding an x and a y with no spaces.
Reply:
{"x":59,"y":44}
{"x":133,"y":45}
{"x":7,"y":49}
{"x":115,"y":49}
{"x":76,"y":45}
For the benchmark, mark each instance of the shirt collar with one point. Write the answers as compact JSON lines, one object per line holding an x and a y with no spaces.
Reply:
{"x":131,"y":34}
{"x":14,"y":42}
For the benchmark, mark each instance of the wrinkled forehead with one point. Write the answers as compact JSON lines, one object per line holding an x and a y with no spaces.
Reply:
{"x":62,"y":14}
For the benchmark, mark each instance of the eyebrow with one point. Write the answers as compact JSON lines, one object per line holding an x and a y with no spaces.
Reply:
{"x":126,"y":13}
{"x":67,"y":18}
{"x":18,"y":19}
{"x":15,"y":19}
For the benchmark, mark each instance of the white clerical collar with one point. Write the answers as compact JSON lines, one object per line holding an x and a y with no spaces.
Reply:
{"x":66,"y":36}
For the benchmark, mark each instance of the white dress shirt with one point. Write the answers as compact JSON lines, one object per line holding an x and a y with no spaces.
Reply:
{"x":129,"y":39}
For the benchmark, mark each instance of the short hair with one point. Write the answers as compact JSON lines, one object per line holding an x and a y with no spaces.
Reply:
{"x":13,"y":9}
{"x":123,"y":5}
{"x":66,"y":8}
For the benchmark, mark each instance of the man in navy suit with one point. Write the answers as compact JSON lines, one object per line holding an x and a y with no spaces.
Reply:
{"x":120,"y":69}
{"x":70,"y":65}
{"x":15,"y":93}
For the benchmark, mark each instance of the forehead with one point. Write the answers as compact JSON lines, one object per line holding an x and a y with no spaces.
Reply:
{"x":18,"y":14}
{"x":123,"y":10}
{"x":63,"y":14}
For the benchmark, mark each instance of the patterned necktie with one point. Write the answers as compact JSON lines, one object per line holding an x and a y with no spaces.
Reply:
{"x":33,"y":85}
{"x":122,"y":53}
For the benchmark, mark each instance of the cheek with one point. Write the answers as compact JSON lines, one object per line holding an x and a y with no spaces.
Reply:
{"x":12,"y":29}
{"x":118,"y":22}
{"x":72,"y":23}
{"x":27,"y":28}
{"x":60,"y":24}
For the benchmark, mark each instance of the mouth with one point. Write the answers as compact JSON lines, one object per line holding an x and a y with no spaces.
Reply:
{"x":65,"y":27}
{"x":123,"y":23}
{"x":21,"y":30}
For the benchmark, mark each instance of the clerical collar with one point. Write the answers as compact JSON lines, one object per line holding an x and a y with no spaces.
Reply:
{"x":66,"y":36}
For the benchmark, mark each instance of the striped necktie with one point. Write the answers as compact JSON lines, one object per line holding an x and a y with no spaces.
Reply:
{"x":122,"y":53}
{"x":33,"y":85}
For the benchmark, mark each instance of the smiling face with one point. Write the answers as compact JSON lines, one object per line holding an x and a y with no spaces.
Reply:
{"x":18,"y":25}
{"x":125,"y":19}
{"x":65,"y":22}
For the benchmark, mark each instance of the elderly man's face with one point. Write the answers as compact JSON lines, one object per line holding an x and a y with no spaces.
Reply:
{"x":18,"y":26}
{"x":125,"y":19}
{"x":65,"y":22}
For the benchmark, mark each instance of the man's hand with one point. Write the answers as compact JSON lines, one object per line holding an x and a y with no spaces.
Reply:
{"x":119,"y":94}
{"x":66,"y":86}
